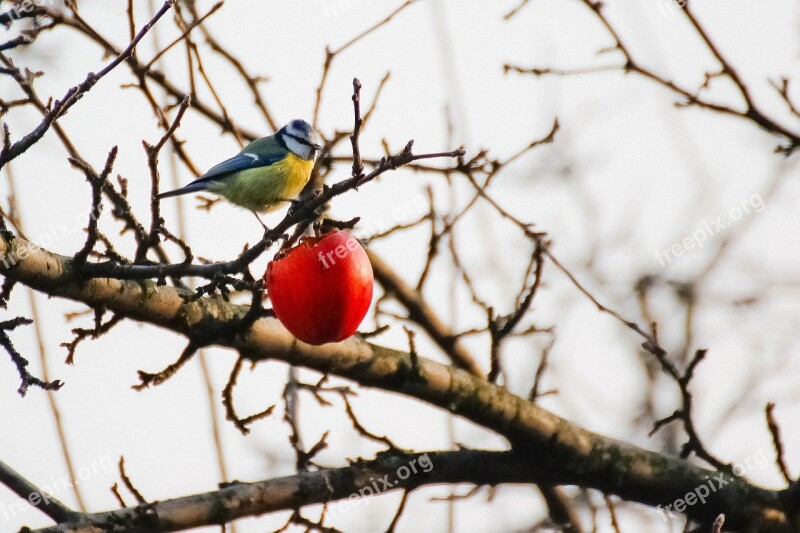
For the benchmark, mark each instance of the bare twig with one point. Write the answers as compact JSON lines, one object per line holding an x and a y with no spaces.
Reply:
{"x":775,"y":431}
{"x":26,"y":378}
{"x":331,"y":54}
{"x":227,"y":400}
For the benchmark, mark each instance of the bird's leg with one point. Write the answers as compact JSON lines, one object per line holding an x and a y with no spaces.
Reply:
{"x":266,"y":229}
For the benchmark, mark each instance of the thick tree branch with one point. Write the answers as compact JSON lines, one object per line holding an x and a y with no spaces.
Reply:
{"x":361,"y":478}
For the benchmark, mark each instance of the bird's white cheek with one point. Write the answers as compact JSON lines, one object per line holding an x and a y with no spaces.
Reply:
{"x":295,"y":146}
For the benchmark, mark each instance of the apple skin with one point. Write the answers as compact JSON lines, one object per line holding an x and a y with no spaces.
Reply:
{"x":322,"y":288}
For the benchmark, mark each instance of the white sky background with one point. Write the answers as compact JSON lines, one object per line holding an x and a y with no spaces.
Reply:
{"x":627,"y":175}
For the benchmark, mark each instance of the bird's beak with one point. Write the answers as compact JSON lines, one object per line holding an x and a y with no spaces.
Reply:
{"x":316,"y":147}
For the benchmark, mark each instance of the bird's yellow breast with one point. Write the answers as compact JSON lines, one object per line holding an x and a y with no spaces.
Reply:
{"x":264,"y":189}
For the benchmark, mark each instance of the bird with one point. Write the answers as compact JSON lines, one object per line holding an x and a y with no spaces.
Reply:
{"x":267,"y":173}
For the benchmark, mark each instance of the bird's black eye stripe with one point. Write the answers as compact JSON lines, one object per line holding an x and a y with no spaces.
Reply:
{"x":300,"y":140}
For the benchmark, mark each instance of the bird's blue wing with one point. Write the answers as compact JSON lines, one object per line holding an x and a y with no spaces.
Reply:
{"x":242,"y":161}
{"x":259,"y":153}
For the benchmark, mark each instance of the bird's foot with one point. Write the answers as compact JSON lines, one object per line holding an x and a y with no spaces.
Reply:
{"x":294,"y":205}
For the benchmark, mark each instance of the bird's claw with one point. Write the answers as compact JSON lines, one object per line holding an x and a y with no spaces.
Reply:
{"x":294,"y":205}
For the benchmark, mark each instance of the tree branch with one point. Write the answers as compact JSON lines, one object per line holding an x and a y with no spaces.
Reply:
{"x":34,"y":495}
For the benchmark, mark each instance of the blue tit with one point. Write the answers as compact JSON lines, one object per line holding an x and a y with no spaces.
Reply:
{"x":266,"y":173}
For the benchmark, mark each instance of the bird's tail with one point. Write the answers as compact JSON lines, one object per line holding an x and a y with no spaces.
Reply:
{"x":192,"y":187}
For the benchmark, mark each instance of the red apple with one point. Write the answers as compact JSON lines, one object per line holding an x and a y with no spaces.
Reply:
{"x":322,"y":288}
